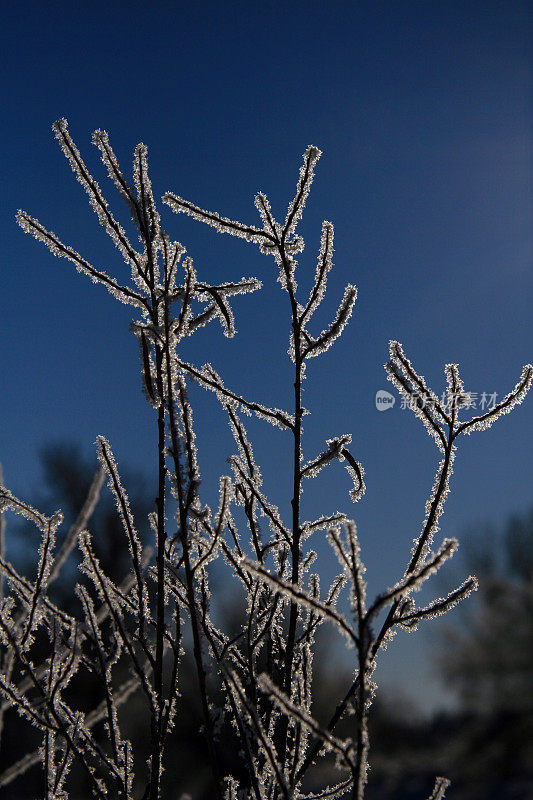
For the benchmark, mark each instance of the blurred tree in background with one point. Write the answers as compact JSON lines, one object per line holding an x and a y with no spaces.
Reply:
{"x":67,"y":475}
{"x":485,"y":745}
{"x":489,"y":660}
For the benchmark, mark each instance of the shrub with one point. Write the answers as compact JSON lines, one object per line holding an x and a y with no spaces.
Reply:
{"x":264,"y":672}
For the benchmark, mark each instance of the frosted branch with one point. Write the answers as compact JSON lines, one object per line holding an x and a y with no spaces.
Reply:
{"x":122,"y":293}
{"x":300,"y":596}
{"x":318,"y":346}
{"x":208,"y":378}
{"x":335,"y":448}
{"x":439,"y":790}
{"x":343,"y":749}
{"x":324,"y":266}
{"x":221,"y":224}
{"x":108,"y":462}
{"x":307,"y":173}
{"x":440,"y":606}
{"x":510,"y":400}
{"x":413,"y":388}
{"x":100,"y":206}
{"x":412,"y":581}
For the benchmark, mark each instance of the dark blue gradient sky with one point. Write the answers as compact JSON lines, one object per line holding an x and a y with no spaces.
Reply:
{"x":423,"y":113}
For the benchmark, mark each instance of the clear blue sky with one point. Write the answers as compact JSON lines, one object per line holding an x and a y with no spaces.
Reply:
{"x":423,"y":113}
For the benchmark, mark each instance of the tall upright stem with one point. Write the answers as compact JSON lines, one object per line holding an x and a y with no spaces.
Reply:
{"x":295,"y":503}
{"x":388,"y":622}
{"x":189,"y":572}
{"x":156,"y":744}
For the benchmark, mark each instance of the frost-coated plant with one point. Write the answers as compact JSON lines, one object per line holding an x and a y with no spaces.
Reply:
{"x":265,"y":671}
